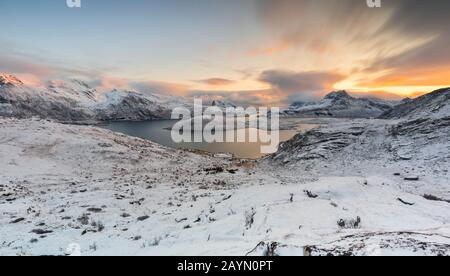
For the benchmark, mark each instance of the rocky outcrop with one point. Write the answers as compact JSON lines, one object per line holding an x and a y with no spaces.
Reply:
{"x":317,"y":144}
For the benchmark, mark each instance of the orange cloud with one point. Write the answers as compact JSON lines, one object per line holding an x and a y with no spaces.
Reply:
{"x":405,"y":82}
{"x":160,"y":87}
{"x":110,"y":83}
{"x":412,"y":77}
{"x":269,"y":51}
{"x":267,"y":97}
{"x":376,"y":94}
{"x":217,"y":82}
{"x":30,"y":80}
{"x":301,"y":85}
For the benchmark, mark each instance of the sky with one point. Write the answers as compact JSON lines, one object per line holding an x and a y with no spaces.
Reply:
{"x":261,"y":52}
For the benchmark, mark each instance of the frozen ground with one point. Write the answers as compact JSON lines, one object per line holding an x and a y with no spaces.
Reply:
{"x":79,"y":189}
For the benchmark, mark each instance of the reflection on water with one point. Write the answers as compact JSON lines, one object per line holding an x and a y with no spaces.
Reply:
{"x":158,"y":131}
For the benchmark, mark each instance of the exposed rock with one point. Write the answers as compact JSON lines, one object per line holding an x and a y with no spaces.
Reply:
{"x":17,"y":220}
{"x":404,"y":202}
{"x":310,"y":194}
{"x":349,"y":223}
{"x":435,"y":198}
{"x":95,"y":210}
{"x":143,"y":218}
{"x":41,"y":231}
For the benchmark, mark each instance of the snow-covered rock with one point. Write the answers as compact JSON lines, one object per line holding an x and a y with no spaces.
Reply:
{"x":339,"y":105}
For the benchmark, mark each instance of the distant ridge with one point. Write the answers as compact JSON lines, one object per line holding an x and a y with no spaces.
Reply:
{"x":339,"y":104}
{"x":76,"y":101}
{"x":434,"y":104}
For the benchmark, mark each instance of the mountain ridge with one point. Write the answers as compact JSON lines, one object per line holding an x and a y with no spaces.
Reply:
{"x":76,"y":101}
{"x":434,"y":104}
{"x":6,"y":79}
{"x":339,"y":104}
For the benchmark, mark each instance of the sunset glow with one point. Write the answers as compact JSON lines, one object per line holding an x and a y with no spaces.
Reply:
{"x":256,"y":51}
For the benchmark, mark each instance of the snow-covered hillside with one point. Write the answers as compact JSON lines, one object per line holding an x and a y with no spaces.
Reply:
{"x":435,"y":104}
{"x":76,"y":101}
{"x":339,"y":105}
{"x":399,"y":150}
{"x":84,"y":190}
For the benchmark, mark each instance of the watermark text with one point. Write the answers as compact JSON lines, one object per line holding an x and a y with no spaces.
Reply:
{"x":73,"y":3}
{"x":231,"y":125}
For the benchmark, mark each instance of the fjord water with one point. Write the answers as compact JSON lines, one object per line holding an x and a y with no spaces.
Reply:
{"x":159,"y":132}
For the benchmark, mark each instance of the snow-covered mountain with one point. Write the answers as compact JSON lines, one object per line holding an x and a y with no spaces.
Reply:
{"x":435,"y":104}
{"x":9,"y":80}
{"x":414,"y":151}
{"x":222,"y":104}
{"x":208,"y":100}
{"x":76,"y":101}
{"x":339,"y":104}
{"x":414,"y":146}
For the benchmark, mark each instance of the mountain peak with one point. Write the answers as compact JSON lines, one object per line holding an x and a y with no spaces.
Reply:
{"x":342,"y":94}
{"x":435,"y":104}
{"x":71,"y":84}
{"x":81,"y":83}
{"x":6,"y":79}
